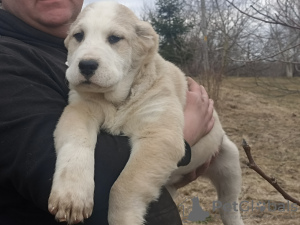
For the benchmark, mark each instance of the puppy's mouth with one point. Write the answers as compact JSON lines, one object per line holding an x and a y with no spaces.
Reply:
{"x":89,"y":86}
{"x":86,"y":82}
{"x":93,"y":84}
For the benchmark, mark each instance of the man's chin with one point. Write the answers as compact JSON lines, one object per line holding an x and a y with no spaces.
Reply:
{"x":55,"y":16}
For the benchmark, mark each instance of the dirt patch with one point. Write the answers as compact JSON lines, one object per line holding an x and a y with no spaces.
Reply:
{"x":269,"y":119}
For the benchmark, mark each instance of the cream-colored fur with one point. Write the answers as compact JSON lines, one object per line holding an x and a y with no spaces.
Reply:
{"x":135,"y":91}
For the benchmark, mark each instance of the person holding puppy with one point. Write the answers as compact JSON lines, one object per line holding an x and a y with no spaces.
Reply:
{"x":34,"y":93}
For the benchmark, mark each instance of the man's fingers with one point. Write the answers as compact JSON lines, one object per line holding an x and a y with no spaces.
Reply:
{"x":211,"y":119}
{"x":193,"y":86}
{"x":210,"y":124}
{"x":211,"y":107}
{"x":190,"y":177}
{"x":203,"y":92}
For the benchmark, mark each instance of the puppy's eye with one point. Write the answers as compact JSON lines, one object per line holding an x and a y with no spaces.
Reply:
{"x":79,"y":36}
{"x":112,"y":39}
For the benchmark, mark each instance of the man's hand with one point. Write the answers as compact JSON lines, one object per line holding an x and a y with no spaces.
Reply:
{"x":198,"y":118}
{"x":188,"y":178}
{"x":198,"y":113}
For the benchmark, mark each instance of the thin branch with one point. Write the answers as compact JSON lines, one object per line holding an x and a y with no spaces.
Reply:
{"x":273,"y":21}
{"x":271,"y":56}
{"x":264,"y":59}
{"x":252,"y":165}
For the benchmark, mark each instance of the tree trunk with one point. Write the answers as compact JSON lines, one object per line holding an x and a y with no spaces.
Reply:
{"x":289,"y":68}
{"x":204,"y":32}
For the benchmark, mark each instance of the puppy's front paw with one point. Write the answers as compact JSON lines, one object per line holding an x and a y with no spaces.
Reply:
{"x":71,"y":198}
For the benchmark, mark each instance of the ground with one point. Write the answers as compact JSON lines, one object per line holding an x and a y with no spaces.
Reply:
{"x":267,"y":115}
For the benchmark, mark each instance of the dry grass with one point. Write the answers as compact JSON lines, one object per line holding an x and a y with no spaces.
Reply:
{"x":271,"y":127}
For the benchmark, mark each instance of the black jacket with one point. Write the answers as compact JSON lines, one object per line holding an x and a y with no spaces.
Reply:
{"x":33,"y":94}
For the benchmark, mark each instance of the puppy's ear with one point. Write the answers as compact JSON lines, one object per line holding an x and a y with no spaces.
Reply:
{"x":67,"y":40}
{"x":148,"y":38}
{"x":70,"y":32}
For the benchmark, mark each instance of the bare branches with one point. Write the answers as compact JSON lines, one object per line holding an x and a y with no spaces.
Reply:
{"x":271,"y":56}
{"x":277,"y":19}
{"x":240,"y":32}
{"x":252,"y":165}
{"x":279,"y":38}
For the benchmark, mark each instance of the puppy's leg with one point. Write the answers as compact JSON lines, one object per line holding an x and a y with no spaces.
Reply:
{"x":225,"y":173}
{"x":151,"y":162}
{"x":71,"y":197}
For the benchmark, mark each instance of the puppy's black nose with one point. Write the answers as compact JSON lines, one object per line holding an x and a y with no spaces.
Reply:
{"x":88,"y":67}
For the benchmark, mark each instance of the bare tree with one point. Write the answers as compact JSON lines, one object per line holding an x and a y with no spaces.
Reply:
{"x":283,"y":40}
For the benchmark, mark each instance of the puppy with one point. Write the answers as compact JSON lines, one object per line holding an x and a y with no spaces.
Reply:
{"x":119,"y":83}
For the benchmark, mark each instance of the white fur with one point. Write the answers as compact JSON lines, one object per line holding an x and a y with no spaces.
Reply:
{"x":136,"y":92}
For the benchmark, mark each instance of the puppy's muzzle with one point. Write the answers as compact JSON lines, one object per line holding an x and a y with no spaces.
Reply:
{"x":88,"y":67}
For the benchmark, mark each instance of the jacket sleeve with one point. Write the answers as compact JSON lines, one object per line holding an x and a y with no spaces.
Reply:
{"x":29,"y":110}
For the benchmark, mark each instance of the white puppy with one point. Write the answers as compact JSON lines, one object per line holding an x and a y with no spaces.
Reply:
{"x":120,"y":83}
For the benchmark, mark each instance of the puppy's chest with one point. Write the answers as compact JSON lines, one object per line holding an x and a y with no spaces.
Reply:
{"x":117,"y":120}
{"x":138,"y":111}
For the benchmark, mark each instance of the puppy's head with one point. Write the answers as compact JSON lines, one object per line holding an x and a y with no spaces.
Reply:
{"x":107,"y":45}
